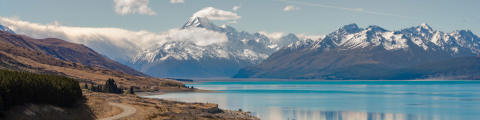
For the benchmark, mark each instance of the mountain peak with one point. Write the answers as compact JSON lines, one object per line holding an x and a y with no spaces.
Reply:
{"x":425,"y":26}
{"x":201,"y":22}
{"x":350,"y":28}
{"x":376,"y":28}
{"x":5,"y":28}
{"x":291,"y":35}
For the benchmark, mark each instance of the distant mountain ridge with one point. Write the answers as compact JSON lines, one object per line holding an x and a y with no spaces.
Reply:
{"x":186,"y":59}
{"x":352,"y":46}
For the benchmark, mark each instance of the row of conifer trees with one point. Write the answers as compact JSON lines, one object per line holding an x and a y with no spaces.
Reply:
{"x":17,"y":88}
{"x":109,"y":87}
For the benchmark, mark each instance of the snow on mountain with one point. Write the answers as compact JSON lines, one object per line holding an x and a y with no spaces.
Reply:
{"x":457,"y":43}
{"x":350,"y":50}
{"x":242,"y":49}
{"x":4,"y":28}
{"x":201,"y":22}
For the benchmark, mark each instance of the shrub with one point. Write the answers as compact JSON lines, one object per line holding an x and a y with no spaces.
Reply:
{"x":131,"y":90}
{"x":172,"y":84}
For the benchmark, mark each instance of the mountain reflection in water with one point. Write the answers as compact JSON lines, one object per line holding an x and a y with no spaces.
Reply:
{"x":343,"y":100}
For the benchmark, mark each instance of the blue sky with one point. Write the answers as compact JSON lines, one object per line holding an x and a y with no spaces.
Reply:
{"x":256,"y":15}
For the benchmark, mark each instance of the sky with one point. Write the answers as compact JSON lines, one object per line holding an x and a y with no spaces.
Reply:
{"x":118,"y":27}
{"x":313,"y":17}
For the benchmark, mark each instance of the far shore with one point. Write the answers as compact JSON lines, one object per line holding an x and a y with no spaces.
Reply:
{"x":162,"y":92}
{"x":226,"y":79}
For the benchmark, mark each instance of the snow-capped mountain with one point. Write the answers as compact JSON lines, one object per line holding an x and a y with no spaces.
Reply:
{"x":179,"y":58}
{"x":4,"y":28}
{"x":351,"y":45}
{"x":457,"y":43}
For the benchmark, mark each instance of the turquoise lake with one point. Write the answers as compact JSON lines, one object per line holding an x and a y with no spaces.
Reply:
{"x":343,"y":100}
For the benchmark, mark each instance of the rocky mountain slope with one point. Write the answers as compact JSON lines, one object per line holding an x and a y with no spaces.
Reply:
{"x":369,"y":50}
{"x":461,"y":68}
{"x":66,"y":51}
{"x":186,"y":59}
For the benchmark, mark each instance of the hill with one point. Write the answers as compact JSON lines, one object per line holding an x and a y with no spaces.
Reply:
{"x":23,"y":59}
{"x":66,"y":51}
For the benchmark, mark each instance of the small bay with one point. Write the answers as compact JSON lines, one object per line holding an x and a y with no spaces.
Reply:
{"x":343,"y":100}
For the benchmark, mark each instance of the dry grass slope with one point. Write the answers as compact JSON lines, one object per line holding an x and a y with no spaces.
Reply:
{"x":66,"y":51}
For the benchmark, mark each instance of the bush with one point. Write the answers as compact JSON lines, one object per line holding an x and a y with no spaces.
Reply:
{"x":17,"y":88}
{"x":131,"y":90}
{"x":172,"y":84}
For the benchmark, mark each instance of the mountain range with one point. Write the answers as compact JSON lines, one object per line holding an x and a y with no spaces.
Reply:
{"x":187,"y":59}
{"x":354,"y":51}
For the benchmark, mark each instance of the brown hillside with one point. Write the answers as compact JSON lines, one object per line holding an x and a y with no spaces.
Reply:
{"x":24,"y":59}
{"x":66,"y":51}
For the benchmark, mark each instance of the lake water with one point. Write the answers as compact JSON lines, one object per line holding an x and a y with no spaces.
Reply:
{"x":344,"y":100}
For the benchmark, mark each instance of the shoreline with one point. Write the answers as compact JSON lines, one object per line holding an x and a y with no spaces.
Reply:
{"x":163,"y":92}
{"x":283,"y":80}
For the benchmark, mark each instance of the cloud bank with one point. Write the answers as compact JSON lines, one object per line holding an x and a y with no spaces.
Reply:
{"x":275,"y":36}
{"x":116,"y":43}
{"x":176,"y":1}
{"x":215,"y":14}
{"x":125,"y":7}
{"x":290,"y":8}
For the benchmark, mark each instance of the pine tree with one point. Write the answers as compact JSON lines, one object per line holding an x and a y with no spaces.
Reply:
{"x":94,"y":89}
{"x":17,"y":88}
{"x":110,"y":86}
{"x":1,"y":108}
{"x":131,"y":90}
{"x":86,"y":85}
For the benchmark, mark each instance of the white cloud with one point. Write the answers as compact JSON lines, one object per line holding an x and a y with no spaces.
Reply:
{"x":200,"y":36}
{"x":176,"y":1}
{"x":124,"y":7}
{"x":215,"y":14}
{"x":302,"y":36}
{"x":275,"y":36}
{"x":114,"y":42}
{"x":235,"y":8}
{"x":344,"y":8}
{"x":233,"y":22}
{"x":358,"y":9}
{"x":290,"y":8}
